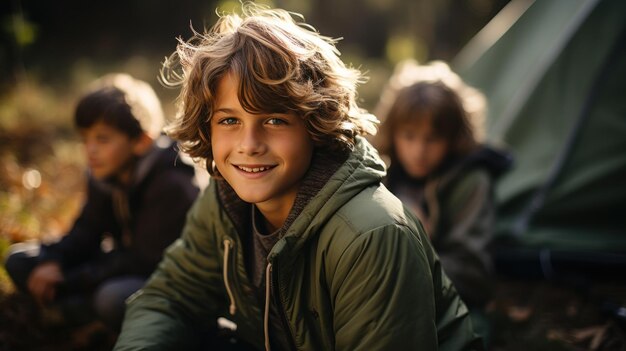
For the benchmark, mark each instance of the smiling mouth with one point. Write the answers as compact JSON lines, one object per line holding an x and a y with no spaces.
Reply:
{"x":255,"y":169}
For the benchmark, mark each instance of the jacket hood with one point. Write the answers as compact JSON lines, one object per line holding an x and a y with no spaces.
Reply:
{"x":494,"y":161}
{"x":163,"y":155}
{"x":363,"y":168}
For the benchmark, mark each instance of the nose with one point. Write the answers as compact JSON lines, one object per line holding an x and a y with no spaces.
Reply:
{"x":252,"y":140}
{"x":90,"y":148}
{"x":419,"y":149}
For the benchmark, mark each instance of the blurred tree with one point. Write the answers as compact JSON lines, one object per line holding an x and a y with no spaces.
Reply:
{"x":117,"y":29}
{"x":75,"y":40}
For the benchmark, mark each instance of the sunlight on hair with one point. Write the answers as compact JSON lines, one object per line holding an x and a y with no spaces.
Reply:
{"x":409,"y":72}
{"x":143,"y":101}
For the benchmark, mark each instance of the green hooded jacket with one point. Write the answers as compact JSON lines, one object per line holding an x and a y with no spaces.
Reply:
{"x":354,"y":271}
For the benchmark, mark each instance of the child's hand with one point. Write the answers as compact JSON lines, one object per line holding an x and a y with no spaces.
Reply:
{"x":43,"y":281}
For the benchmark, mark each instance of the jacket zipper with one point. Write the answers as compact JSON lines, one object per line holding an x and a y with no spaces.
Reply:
{"x":228,"y":244}
{"x":270,"y":284}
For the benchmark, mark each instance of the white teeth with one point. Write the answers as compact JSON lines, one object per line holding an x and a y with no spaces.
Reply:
{"x":253,"y":170}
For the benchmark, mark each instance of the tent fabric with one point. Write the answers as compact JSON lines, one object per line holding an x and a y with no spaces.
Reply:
{"x":556,"y":88}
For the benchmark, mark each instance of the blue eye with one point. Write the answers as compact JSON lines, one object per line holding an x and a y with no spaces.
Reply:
{"x":228,"y":121}
{"x":276,"y":121}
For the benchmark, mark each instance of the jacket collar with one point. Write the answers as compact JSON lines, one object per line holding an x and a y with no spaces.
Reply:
{"x":156,"y":156}
{"x":332,"y":180}
{"x":147,"y":162}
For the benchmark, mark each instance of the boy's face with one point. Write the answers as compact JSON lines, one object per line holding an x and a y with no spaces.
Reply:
{"x":262,"y":156}
{"x":419,"y":148}
{"x":109,"y":152}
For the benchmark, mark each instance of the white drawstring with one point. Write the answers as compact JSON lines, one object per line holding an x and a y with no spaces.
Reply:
{"x":266,"y":317}
{"x":232,"y":308}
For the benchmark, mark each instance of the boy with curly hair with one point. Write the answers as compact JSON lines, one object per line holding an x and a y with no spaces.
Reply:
{"x":295,"y":240}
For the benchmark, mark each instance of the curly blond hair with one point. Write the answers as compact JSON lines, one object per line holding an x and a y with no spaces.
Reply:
{"x":282,"y":65}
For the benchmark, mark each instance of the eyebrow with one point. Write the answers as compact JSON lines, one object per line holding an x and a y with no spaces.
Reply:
{"x":224,"y":110}
{"x":229,"y":110}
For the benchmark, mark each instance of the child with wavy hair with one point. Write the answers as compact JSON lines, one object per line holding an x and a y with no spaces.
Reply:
{"x":438,"y":168}
{"x":295,"y":241}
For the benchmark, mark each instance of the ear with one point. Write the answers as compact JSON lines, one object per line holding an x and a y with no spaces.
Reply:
{"x":142,"y":144}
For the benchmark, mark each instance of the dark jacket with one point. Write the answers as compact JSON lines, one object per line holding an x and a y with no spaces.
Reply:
{"x":354,"y":271}
{"x":457,"y":208}
{"x":138,"y":222}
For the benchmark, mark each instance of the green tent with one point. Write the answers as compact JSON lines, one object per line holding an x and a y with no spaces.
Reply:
{"x":554,"y":73}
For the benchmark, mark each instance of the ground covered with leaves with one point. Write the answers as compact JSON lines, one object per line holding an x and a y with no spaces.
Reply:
{"x":550,"y":316}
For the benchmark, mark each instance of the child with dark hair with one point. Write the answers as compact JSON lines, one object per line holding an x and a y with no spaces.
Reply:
{"x":432,"y":123}
{"x":138,"y":194}
{"x":295,"y":241}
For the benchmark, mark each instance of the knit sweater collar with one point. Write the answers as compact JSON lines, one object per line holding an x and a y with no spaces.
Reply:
{"x":323,"y":166}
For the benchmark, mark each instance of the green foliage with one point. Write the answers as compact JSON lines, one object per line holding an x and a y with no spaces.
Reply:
{"x":230,"y":6}
{"x":5,"y":283}
{"x":402,"y":47}
{"x":20,"y":29}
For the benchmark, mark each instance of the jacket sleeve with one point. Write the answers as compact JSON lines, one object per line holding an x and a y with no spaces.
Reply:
{"x":82,"y":242}
{"x":382,"y":293}
{"x":463,"y":240}
{"x":181,"y":299}
{"x":159,"y":220}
